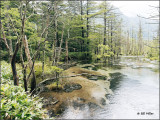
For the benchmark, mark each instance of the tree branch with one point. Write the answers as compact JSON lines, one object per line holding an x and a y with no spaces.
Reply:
{"x":4,"y":37}
{"x":151,"y":46}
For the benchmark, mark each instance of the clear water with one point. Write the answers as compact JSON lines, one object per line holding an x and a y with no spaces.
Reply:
{"x":136,"y":94}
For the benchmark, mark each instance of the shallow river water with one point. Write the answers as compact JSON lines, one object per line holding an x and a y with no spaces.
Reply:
{"x":135,"y":87}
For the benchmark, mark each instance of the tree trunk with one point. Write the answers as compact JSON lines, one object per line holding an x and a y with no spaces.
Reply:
{"x":82,"y":45}
{"x":67,"y":48}
{"x":87,"y":28}
{"x":13,"y":59}
{"x":43,"y":62}
{"x":13,"y":65}
{"x":10,"y":41}
{"x":23,"y":69}
{"x":60,"y":47}
{"x":56,"y":33}
{"x":27,"y":52}
{"x":104,"y":41}
{"x":87,"y":20}
{"x":33,"y":80}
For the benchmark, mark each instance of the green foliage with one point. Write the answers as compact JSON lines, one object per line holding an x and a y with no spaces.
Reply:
{"x":15,"y":103}
{"x":6,"y":72}
{"x":54,"y":86}
{"x":104,"y":52}
{"x":79,"y":56}
{"x":48,"y":70}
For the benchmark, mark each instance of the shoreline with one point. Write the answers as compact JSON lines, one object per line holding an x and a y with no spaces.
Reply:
{"x":92,"y":92}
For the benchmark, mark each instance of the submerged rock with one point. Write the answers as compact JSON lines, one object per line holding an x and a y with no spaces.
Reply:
{"x":87,"y":66}
{"x":93,"y":78}
{"x":93,"y":105}
{"x":103,"y":101}
{"x":49,"y":101}
{"x":102,"y":77}
{"x":81,"y":99}
{"x":107,"y":95}
{"x":77,"y":105}
{"x":97,"y":77}
{"x":51,"y":113}
{"x":73,"y":76}
{"x":71,"y":87}
{"x":84,"y":74}
{"x":79,"y":74}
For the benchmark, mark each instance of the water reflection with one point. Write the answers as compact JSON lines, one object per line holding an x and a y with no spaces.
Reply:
{"x":115,"y":80}
{"x":136,"y":89}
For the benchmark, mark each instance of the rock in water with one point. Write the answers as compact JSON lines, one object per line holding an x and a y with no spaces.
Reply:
{"x":71,"y":87}
{"x":78,"y":105}
{"x":81,"y":99}
{"x":93,"y":78}
{"x":103,"y":101}
{"x":51,"y":113}
{"x":92,"y":105}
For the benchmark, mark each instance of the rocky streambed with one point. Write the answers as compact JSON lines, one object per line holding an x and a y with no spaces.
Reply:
{"x":78,"y":88}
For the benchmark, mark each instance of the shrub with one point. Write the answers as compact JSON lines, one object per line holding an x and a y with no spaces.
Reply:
{"x":15,"y":103}
{"x":53,"y":86}
{"x":48,"y":69}
{"x":6,"y":72}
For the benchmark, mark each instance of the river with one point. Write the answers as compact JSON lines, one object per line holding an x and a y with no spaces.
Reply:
{"x":135,"y":86}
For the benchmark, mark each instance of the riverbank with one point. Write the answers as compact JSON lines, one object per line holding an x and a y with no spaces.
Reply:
{"x":84,"y":87}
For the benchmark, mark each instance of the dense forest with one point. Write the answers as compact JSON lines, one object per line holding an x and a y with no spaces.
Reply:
{"x":47,"y":37}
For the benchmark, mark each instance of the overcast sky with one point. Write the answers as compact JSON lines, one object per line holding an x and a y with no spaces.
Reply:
{"x":132,"y":8}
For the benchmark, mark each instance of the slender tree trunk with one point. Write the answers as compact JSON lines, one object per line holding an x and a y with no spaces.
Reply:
{"x":10,"y":41}
{"x":67,"y":49}
{"x":33,"y":80}
{"x":43,"y":62}
{"x":132,"y":42}
{"x":104,"y":41}
{"x":13,"y":65}
{"x":10,"y":45}
{"x":111,"y":36}
{"x":82,"y":45}
{"x":23,"y":69}
{"x":87,"y":29}
{"x":27,"y":52}
{"x":13,"y":59}
{"x":55,"y":34}
{"x":60,"y":47}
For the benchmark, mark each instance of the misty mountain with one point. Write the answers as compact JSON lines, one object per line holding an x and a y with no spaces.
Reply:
{"x":148,"y":29}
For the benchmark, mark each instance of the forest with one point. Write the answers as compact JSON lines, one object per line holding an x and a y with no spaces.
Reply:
{"x":41,"y":39}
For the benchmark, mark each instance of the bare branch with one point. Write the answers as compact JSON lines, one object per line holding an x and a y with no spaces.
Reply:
{"x":35,"y":54}
{"x":4,"y":37}
{"x":31,"y":14}
{"x":151,"y":46}
{"x":148,"y":17}
{"x":13,"y":26}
